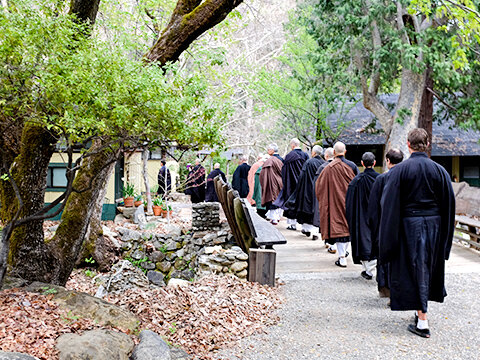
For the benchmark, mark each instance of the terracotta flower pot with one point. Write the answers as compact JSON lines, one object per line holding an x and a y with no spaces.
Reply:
{"x":138,"y":203}
{"x":164,"y":213}
{"x":128,"y":201}
{"x":157,"y":210}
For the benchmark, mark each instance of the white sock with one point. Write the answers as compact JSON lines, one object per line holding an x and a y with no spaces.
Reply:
{"x":422,"y":324}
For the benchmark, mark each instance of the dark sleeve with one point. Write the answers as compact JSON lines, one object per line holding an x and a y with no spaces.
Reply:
{"x":448,"y":213}
{"x":373,"y":214}
{"x":223,"y":176}
{"x":350,"y":204}
{"x":390,"y":217}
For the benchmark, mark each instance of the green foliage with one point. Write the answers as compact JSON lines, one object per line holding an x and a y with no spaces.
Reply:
{"x":46,"y":290}
{"x":138,"y":263}
{"x":90,"y":273}
{"x":157,"y":201}
{"x":301,"y":90}
{"x":90,"y":260}
{"x":128,"y":190}
{"x":90,"y":87}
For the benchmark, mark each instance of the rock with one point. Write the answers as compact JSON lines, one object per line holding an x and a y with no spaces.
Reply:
{"x":183,"y":274}
{"x":164,"y":266}
{"x":173,"y":230}
{"x":174,"y":282}
{"x":151,"y":347}
{"x":53,"y":228}
{"x":139,"y":216}
{"x":119,"y":219}
{"x":219,"y":240}
{"x":10,"y":282}
{"x":212,"y":249}
{"x":242,"y":274}
{"x":129,"y":212}
{"x":180,"y":253}
{"x":197,"y":241}
{"x":215,"y":268}
{"x":157,"y":256}
{"x":86,"y":306}
{"x":221,"y":259}
{"x":242,"y":256}
{"x":209,"y":238}
{"x":147,"y":265}
{"x":95,"y":344}
{"x":179,"y":354}
{"x":236,"y":248}
{"x":180,"y":264}
{"x":156,"y":278}
{"x":138,"y":255}
{"x":204,"y":260}
{"x":17,"y":356}
{"x":239,"y":266}
{"x":124,"y":276}
{"x":171,"y":246}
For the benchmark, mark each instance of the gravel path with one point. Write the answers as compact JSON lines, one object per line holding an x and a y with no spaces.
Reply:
{"x":340,"y":316}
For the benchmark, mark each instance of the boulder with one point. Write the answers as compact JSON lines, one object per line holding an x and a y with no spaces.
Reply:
{"x":239,"y":266}
{"x":95,"y":344}
{"x":178,"y":283}
{"x":151,"y":347}
{"x":156,"y":278}
{"x":15,"y":356}
{"x":87,"y":306}
{"x":179,"y":354}
{"x":124,"y":275}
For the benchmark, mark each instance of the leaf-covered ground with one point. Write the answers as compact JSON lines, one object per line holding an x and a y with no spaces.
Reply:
{"x":204,"y":316}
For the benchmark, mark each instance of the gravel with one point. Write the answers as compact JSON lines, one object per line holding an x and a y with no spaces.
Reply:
{"x":340,"y":316}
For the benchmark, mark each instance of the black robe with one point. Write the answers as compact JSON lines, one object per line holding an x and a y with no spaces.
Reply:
{"x":316,"y":213}
{"x":196,"y":184}
{"x":416,"y":231}
{"x":356,"y":203}
{"x":301,"y":204}
{"x":161,"y":181}
{"x":292,"y":166}
{"x":374,"y":213}
{"x":240,"y":180}
{"x":211,"y":194}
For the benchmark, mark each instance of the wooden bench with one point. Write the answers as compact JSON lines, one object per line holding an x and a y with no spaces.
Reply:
{"x":470,"y":227}
{"x":254,"y":235}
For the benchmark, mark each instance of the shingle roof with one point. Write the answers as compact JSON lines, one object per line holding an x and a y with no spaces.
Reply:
{"x":363,"y":129}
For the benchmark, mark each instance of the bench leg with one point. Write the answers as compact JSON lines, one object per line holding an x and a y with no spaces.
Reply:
{"x":261,"y":266}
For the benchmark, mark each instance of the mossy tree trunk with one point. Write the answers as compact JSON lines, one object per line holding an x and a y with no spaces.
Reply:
{"x":69,"y":237}
{"x":29,"y":171}
{"x":190,"y":19}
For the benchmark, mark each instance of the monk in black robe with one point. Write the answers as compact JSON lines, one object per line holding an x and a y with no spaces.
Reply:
{"x":302,"y":202}
{"x":240,"y":177}
{"x":416,"y":231}
{"x":271,"y":183}
{"x":292,"y":166}
{"x":196,"y":183}
{"x":211,"y":194}
{"x":356,"y":204}
{"x":164,"y":180}
{"x":392,"y":158}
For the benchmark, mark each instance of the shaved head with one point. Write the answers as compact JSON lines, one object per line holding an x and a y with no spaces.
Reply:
{"x":216,"y":166}
{"x":339,"y":148}
{"x":328,"y":153}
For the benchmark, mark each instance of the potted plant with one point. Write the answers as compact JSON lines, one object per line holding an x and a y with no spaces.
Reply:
{"x":128,"y":195}
{"x":170,"y":210}
{"x":138,"y":200}
{"x":157,"y":206}
{"x":164,"y":210}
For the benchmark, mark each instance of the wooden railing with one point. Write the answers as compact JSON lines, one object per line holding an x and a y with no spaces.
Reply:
{"x":467,"y":230}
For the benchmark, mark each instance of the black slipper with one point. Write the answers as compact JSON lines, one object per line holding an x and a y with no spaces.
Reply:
{"x":291,"y":227}
{"x":338,"y":264}
{"x":420,"y":332}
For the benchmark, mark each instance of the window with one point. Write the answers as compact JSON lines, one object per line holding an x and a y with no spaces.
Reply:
{"x":56,"y":176}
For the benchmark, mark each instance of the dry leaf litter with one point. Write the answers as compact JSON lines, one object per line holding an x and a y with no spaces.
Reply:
{"x":211,"y":313}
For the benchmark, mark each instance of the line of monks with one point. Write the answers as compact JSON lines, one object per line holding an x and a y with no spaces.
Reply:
{"x":400,"y":222}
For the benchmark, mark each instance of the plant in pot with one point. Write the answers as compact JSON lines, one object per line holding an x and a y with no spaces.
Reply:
{"x":157,"y":206}
{"x":128,"y":195}
{"x":170,"y":210}
{"x":138,"y":200}
{"x":164,"y":210}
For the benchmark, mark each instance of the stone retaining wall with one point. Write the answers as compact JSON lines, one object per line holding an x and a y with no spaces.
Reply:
{"x":206,"y":216}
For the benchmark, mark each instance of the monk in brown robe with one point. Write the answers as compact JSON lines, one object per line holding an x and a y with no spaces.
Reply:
{"x":331,"y":190}
{"x":271,"y":183}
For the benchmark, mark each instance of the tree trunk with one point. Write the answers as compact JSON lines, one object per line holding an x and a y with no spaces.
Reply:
{"x":407,"y":112}
{"x":85,"y":10}
{"x":190,"y":19}
{"x":68,"y":240}
{"x":30,"y":174}
{"x":96,"y":245}
{"x":146,"y":182}
{"x":426,"y":112}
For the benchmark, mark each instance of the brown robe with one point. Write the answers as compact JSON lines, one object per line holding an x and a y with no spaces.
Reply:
{"x":251,"y":180}
{"x":271,"y":179}
{"x":331,"y":190}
